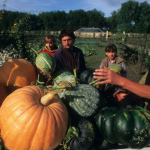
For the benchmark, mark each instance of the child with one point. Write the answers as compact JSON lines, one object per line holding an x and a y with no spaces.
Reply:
{"x":50,"y":45}
{"x":50,"y":48}
{"x":112,"y":58}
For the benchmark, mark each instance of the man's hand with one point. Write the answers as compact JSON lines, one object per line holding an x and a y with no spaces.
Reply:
{"x":107,"y":76}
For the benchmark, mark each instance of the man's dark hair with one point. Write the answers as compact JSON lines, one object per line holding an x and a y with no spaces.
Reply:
{"x":66,"y":32}
{"x":111,"y":48}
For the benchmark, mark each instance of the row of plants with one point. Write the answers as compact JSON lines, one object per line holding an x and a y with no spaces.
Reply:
{"x":130,"y":52}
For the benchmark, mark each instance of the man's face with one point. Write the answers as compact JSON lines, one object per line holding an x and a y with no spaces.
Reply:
{"x":67,"y":42}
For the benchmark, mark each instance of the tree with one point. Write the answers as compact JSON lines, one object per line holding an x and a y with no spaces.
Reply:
{"x":112,"y":22}
{"x":133,"y":17}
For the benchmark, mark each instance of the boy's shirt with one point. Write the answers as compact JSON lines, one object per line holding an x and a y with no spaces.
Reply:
{"x":123,"y":74}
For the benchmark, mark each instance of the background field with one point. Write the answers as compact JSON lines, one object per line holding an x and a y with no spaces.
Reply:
{"x":93,"y":61}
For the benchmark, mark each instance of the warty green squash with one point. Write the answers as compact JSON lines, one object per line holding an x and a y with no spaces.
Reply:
{"x":83,"y":99}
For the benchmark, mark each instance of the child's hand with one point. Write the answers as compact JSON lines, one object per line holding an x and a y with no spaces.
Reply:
{"x":121,"y":94}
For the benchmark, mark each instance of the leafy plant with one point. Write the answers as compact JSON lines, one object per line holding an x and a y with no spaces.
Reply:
{"x":87,"y":49}
{"x":20,"y":39}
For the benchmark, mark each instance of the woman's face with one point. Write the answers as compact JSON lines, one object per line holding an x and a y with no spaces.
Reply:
{"x":50,"y":45}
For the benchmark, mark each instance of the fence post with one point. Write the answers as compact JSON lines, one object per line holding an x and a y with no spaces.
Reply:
{"x":106,"y":35}
{"x":123,"y":36}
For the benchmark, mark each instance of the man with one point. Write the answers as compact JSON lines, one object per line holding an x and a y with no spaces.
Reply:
{"x":69,"y":57}
{"x":108,"y":76}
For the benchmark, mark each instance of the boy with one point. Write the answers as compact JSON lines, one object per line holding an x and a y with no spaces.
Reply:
{"x":112,"y":59}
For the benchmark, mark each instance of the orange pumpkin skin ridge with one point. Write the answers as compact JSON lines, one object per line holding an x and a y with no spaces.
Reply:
{"x":28,"y":125}
{"x":18,"y":72}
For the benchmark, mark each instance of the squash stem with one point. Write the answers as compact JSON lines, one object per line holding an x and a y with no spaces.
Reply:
{"x":75,"y":74}
{"x":94,"y":81}
{"x":58,"y":87}
{"x":38,"y":80}
{"x":35,"y":51}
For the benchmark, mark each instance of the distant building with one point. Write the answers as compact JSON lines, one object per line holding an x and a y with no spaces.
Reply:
{"x":89,"y":30}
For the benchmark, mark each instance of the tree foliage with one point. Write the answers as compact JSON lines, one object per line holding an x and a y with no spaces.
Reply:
{"x":131,"y":17}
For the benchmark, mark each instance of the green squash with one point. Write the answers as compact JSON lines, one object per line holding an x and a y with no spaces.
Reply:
{"x":83,"y":139}
{"x":83,"y":99}
{"x":61,"y":74}
{"x":129,"y":126}
{"x":86,"y":76}
{"x":107,"y":145}
{"x":116,"y":68}
{"x":45,"y":63}
{"x":69,"y":78}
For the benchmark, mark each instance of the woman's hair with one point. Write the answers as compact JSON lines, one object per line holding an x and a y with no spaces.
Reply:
{"x":111,"y":48}
{"x":48,"y":38}
{"x":66,"y":32}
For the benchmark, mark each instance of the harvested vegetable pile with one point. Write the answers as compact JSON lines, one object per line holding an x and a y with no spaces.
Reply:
{"x":70,"y":114}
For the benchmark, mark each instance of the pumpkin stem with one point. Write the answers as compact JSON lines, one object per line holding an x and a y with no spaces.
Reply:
{"x":45,"y":100}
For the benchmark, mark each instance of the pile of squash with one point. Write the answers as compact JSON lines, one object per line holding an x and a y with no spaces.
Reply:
{"x":70,"y":115}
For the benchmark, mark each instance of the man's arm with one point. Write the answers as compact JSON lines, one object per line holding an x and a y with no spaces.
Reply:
{"x":111,"y":77}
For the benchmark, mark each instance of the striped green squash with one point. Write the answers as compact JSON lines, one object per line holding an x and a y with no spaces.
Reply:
{"x":130,"y":126}
{"x":61,"y":74}
{"x":116,"y":68}
{"x":45,"y":63}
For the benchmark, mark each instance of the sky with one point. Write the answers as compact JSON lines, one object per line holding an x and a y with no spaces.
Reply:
{"x":105,"y":6}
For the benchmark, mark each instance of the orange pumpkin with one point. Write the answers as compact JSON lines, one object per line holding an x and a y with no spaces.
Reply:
{"x":3,"y":93}
{"x":29,"y":122}
{"x":16,"y":73}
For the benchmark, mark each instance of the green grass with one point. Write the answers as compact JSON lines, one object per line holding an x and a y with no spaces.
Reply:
{"x":133,"y":71}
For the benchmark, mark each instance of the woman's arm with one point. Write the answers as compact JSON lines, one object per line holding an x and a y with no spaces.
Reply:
{"x":111,"y":77}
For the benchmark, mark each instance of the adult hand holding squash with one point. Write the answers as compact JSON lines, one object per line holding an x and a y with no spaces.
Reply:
{"x":31,"y":120}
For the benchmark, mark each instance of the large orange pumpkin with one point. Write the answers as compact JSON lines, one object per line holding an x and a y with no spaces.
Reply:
{"x":3,"y":93}
{"x":16,"y":73}
{"x":27,"y":124}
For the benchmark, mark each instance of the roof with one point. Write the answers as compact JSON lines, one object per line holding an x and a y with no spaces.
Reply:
{"x":89,"y":30}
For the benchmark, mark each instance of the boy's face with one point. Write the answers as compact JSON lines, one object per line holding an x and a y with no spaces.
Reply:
{"x":111,"y":55}
{"x":50,"y":45}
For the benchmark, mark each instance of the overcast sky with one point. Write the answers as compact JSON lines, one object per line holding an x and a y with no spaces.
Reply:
{"x":106,"y":6}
